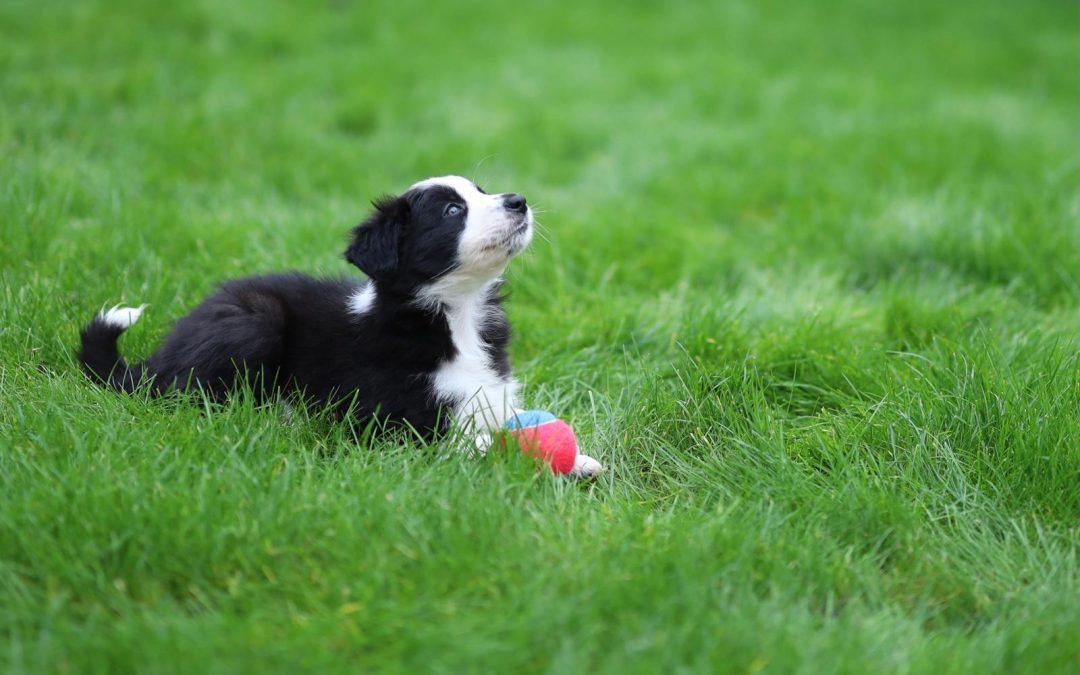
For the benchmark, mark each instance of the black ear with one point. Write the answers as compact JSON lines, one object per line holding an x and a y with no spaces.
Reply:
{"x":375,"y":244}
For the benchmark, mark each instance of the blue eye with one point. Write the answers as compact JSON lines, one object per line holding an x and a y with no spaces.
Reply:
{"x":452,"y":210}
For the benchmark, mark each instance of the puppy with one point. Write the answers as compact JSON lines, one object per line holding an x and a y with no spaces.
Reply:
{"x":423,"y":341}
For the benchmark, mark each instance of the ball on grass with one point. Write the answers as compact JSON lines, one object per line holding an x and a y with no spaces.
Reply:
{"x":542,"y":435}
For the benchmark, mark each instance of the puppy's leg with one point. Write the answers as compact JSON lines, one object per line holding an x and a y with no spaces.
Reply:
{"x":486,"y":420}
{"x":481,"y":443}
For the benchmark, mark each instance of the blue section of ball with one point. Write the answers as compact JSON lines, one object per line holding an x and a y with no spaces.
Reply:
{"x":529,"y":418}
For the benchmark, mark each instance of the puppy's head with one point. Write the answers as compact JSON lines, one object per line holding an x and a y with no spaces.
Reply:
{"x":442,"y":239}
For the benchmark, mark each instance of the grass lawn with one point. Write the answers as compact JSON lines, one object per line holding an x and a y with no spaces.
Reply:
{"x":809,"y":286}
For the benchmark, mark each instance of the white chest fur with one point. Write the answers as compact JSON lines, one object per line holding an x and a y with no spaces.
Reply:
{"x":481,"y":399}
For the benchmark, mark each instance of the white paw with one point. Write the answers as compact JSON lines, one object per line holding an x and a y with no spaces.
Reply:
{"x":481,"y":443}
{"x":122,"y":317}
{"x":586,"y":467}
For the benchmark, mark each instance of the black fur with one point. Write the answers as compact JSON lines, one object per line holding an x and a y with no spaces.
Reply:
{"x":295,"y":334}
{"x":102,"y":359}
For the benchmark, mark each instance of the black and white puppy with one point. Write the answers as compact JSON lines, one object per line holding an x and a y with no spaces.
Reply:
{"x":423,"y":341}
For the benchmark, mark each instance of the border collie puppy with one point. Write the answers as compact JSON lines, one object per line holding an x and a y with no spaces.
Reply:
{"x":423,"y":341}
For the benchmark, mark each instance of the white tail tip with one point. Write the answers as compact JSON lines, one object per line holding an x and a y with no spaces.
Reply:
{"x":122,"y":317}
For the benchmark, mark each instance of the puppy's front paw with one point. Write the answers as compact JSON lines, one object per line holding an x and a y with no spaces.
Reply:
{"x":586,"y":468}
{"x":481,"y":443}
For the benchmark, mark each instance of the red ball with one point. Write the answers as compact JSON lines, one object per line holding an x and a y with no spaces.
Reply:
{"x":552,"y":441}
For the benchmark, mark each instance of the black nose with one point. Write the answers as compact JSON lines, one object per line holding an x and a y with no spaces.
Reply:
{"x":515,"y":202}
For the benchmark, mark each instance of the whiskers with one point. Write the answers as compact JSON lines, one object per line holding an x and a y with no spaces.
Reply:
{"x":539,"y":230}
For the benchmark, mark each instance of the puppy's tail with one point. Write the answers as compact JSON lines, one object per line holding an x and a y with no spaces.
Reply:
{"x":99,"y":354}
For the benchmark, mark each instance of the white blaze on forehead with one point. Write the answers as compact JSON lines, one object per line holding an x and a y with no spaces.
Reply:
{"x":465,"y":188}
{"x":463,"y":185}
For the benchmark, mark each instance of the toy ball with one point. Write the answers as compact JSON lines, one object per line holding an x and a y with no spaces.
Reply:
{"x":541,"y":434}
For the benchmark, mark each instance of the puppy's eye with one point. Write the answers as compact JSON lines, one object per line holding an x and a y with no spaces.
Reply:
{"x":452,"y":210}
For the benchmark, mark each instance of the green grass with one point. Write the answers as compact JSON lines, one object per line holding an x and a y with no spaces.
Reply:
{"x":809,"y":287}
